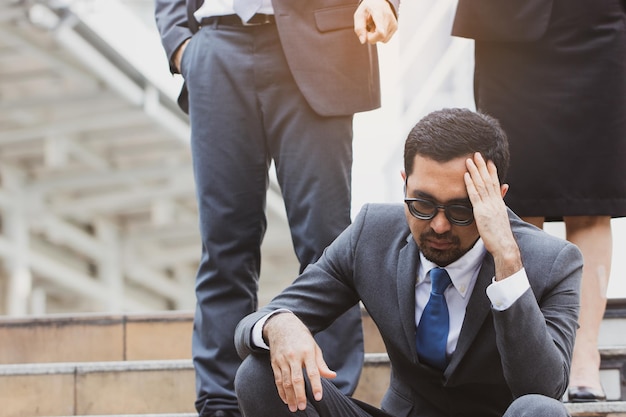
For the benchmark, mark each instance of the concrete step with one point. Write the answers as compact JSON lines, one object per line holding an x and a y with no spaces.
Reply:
{"x":609,"y":408}
{"x":96,"y":337}
{"x":95,"y":388}
{"x":151,"y":387}
{"x":613,"y":409}
{"x":132,"y":364}
{"x":133,"y":387}
{"x":106,"y":337}
{"x":375,"y":377}
{"x":143,"y":415}
{"x":163,"y":335}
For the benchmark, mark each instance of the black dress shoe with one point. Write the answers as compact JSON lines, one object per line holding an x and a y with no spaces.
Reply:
{"x":582,"y":394}
{"x":221,"y":413}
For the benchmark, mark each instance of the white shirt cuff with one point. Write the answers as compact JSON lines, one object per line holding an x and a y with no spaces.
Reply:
{"x":257,"y":329}
{"x":504,"y":293}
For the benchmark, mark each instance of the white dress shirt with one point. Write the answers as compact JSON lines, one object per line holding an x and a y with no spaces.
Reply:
{"x":225,"y":7}
{"x":463,"y":274}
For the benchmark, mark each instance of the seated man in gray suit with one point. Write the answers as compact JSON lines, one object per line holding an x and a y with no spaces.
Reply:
{"x":478,"y":309}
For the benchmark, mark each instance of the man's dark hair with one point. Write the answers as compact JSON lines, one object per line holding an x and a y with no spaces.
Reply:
{"x":447,"y":134}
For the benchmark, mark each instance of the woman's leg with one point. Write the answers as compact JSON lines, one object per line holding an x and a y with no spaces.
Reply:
{"x":592,"y":234}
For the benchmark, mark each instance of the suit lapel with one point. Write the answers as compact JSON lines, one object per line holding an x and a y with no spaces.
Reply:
{"x":408,"y":260}
{"x":477,"y":310}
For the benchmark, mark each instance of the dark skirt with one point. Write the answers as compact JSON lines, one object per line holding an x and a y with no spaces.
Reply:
{"x":562,"y":102}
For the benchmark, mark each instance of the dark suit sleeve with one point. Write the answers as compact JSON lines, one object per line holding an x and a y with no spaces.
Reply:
{"x":535,"y":336}
{"x":319,"y":295}
{"x":171,"y":20}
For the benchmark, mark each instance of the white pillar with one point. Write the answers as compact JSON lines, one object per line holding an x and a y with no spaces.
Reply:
{"x":109,"y":264}
{"x":39,"y":301}
{"x":16,"y":231}
{"x":185,"y":276}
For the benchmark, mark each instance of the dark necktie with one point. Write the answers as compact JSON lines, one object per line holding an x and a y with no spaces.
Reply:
{"x":433,"y":328}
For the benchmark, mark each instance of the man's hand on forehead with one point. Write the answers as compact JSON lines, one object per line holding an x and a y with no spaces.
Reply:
{"x":491,"y":216}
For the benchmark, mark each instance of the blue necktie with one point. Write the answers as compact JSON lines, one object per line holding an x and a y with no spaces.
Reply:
{"x":433,"y":328}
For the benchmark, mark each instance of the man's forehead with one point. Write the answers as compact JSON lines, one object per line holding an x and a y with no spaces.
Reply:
{"x":427,"y":165}
{"x":440,"y":180}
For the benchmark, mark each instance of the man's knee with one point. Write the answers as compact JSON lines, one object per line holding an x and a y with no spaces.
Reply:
{"x":254,"y":380}
{"x":535,"y":405}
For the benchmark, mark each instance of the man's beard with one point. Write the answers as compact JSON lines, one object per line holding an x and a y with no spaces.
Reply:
{"x":438,"y":256}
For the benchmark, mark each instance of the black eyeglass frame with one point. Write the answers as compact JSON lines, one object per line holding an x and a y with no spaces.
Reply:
{"x":436,"y":207}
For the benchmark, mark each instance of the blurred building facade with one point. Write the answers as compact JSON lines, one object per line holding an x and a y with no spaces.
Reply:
{"x":97,"y":203}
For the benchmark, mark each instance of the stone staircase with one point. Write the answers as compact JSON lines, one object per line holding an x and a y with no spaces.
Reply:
{"x":139,"y":365}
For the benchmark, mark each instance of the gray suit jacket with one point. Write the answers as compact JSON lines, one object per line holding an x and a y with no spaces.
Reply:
{"x":499,"y":356}
{"x":335,"y":73}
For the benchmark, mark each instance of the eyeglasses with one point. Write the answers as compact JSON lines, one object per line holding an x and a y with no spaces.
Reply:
{"x":457,"y":214}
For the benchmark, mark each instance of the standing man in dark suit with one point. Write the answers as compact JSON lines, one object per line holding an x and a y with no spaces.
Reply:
{"x":509,"y":300}
{"x":267,"y":80}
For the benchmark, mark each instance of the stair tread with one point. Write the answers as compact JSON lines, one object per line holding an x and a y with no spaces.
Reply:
{"x":84,"y":367}
{"x":95,"y":366}
{"x":86,"y":337}
{"x":133,"y":351}
{"x":96,"y":385}
{"x":138,"y":415}
{"x":602,"y":407}
{"x":575,"y":409}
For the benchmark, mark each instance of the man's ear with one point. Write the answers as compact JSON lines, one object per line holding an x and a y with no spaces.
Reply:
{"x":403,"y":174}
{"x":504,"y":188}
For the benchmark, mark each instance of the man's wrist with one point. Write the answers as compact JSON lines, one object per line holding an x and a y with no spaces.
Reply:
{"x":508,"y":263}
{"x":270,"y":319}
{"x":258,"y":337}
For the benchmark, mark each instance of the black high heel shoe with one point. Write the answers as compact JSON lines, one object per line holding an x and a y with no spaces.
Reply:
{"x":582,"y":394}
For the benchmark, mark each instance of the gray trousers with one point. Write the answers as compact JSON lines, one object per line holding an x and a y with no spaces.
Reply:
{"x":245,"y":111}
{"x":258,"y":397}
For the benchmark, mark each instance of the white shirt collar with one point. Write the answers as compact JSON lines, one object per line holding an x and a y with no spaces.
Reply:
{"x":463,"y":271}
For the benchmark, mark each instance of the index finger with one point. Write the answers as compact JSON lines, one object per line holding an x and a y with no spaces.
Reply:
{"x":385,"y":20}
{"x":381,"y":23}
{"x":472,"y":176}
{"x":483,"y":173}
{"x":360,"y":23}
